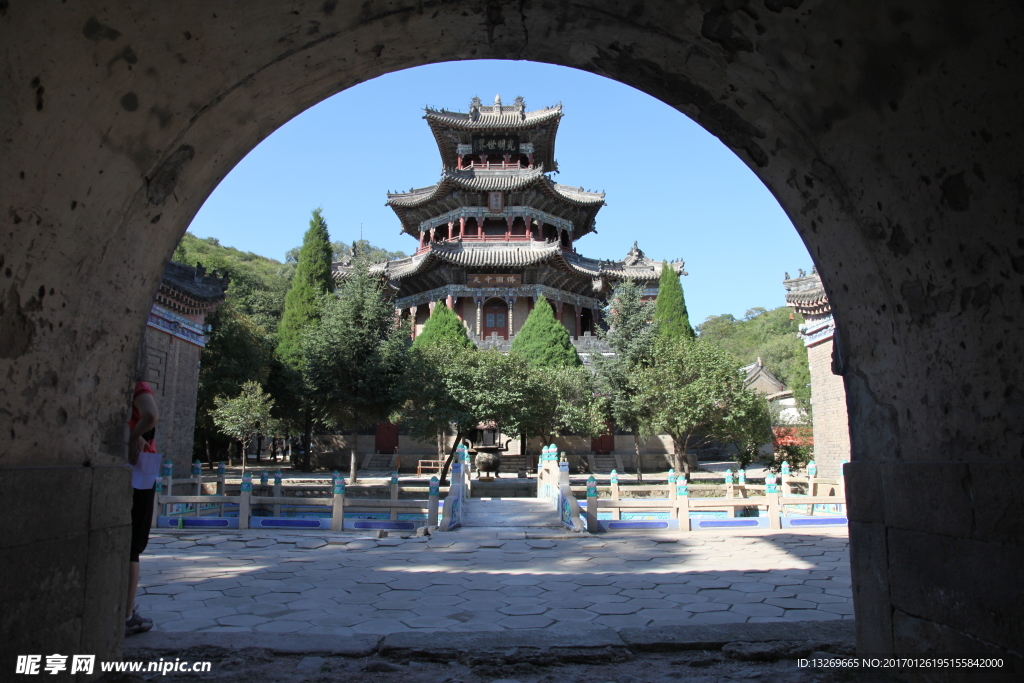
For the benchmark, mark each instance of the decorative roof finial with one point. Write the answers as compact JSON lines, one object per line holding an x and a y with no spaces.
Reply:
{"x":814,"y":270}
{"x":785,"y":276}
{"x":497,"y":100}
{"x":802,"y":272}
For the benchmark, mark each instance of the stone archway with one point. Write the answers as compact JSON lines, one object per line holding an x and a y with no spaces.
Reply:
{"x":888,"y":130}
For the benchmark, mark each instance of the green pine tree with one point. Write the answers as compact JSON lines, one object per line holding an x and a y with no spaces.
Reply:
{"x":544,"y":341}
{"x":670,"y":314}
{"x":443,"y":328}
{"x":303,"y":303}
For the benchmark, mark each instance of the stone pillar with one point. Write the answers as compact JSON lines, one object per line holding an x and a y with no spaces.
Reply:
{"x":479,"y":316}
{"x":579,"y":315}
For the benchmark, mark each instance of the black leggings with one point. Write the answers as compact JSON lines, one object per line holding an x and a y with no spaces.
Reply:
{"x":142,"y":518}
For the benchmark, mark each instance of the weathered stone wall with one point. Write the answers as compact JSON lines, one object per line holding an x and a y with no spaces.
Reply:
{"x":828,"y":401}
{"x":173,"y":374}
{"x":888,"y":130}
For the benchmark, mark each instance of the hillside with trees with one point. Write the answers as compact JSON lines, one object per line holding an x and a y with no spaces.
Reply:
{"x":769,"y":335}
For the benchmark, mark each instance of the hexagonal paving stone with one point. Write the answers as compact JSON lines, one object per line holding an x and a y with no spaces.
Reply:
{"x":598,"y":590}
{"x":521,"y":591}
{"x":822,"y":598}
{"x":757,"y":610}
{"x":614,"y":608}
{"x":429,"y":622}
{"x":697,"y":607}
{"x":436,"y":610}
{"x":621,"y":621}
{"x":515,"y":610}
{"x":718,"y":618}
{"x":380,"y":627}
{"x":594,"y":581}
{"x":242,"y":620}
{"x":837,"y":608}
{"x":526,"y":621}
{"x":685,"y":598}
{"x":574,"y":615}
{"x":540,"y":543}
{"x":440,"y":600}
{"x":568,"y":603}
{"x":810,"y":615}
{"x":338,"y":620}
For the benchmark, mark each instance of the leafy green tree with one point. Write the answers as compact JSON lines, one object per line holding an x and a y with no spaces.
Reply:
{"x":442,"y":330}
{"x":688,"y":394}
{"x":357,"y":356}
{"x":241,"y":417}
{"x":670,"y":314}
{"x":363,"y":249}
{"x":561,"y":399}
{"x":443,"y":327}
{"x":237,"y":350}
{"x":631,"y":335}
{"x":452,"y":385}
{"x":747,"y":425}
{"x":771,"y":336}
{"x":303,"y":307}
{"x":303,"y":304}
{"x":543,"y":341}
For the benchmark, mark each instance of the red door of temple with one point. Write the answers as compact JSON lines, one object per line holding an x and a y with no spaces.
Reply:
{"x":386,"y":438}
{"x":604,"y":444}
{"x":496,"y":318}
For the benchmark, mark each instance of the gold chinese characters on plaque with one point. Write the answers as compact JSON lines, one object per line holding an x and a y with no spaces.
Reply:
{"x":493,"y":280}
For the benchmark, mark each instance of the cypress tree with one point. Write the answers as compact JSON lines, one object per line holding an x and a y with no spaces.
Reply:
{"x":443,"y":328}
{"x":544,"y":341}
{"x":312,"y":280}
{"x":670,"y":314}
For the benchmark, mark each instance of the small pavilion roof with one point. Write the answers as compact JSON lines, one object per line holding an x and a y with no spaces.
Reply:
{"x":806,"y":293}
{"x":189,"y":290}
{"x":496,"y":117}
{"x":516,"y":255}
{"x":506,"y":180}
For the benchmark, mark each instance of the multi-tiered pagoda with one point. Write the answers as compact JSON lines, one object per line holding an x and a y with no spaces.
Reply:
{"x":496,"y":233}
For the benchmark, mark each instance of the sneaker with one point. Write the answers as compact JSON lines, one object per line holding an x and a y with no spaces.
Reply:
{"x":137,"y":623}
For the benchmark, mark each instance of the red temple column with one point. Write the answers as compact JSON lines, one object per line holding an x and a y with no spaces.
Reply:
{"x":558,"y":310}
{"x":540,"y":229}
{"x":508,"y":227}
{"x":413,"y":310}
{"x":430,"y":306}
{"x":432,"y":233}
{"x":462,"y":225}
{"x":451,"y":229}
{"x":422,"y":235}
{"x":450,"y":302}
{"x":579,"y":317}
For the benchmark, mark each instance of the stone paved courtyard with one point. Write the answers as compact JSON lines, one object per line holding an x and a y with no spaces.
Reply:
{"x":488,"y":580}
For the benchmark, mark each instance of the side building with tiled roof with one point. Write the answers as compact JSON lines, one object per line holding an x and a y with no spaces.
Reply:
{"x":496,"y":234}
{"x":175,"y":338}
{"x":807,"y":295}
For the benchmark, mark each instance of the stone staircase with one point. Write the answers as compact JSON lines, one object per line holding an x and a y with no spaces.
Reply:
{"x":378,"y":462}
{"x":604,"y":464}
{"x":510,"y":513}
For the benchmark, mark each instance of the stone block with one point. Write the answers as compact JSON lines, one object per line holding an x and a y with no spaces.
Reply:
{"x":51,"y":503}
{"x":913,"y":636}
{"x":111,"y":502}
{"x":865,"y":498}
{"x":43,"y":597}
{"x":996,"y":488}
{"x":966,"y":585}
{"x":929,"y":497}
{"x":869,"y":562}
{"x":105,"y":591}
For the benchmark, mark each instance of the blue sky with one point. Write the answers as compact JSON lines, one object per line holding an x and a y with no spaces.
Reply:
{"x":670,"y":185}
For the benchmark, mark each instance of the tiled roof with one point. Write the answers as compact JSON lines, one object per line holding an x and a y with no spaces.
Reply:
{"x":806,"y":291}
{"x":193,"y":283}
{"x":515,"y":255}
{"x":486,"y":117}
